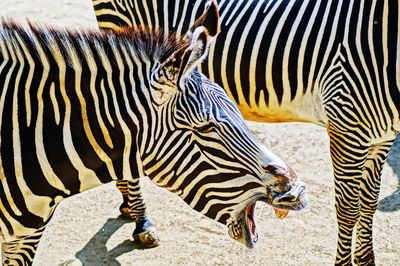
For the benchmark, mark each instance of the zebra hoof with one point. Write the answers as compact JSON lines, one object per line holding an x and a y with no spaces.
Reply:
{"x":147,"y":239}
{"x":145,"y":235}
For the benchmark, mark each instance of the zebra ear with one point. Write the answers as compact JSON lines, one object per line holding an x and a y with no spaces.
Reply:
{"x":209,"y":20}
{"x":200,"y":35}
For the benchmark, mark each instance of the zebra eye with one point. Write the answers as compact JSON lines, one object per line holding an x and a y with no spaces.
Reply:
{"x":207,"y":128}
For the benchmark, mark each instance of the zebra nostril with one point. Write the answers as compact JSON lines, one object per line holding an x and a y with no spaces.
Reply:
{"x":301,"y":191}
{"x":292,"y":196}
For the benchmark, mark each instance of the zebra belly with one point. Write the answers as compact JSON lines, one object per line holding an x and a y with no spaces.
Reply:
{"x":397,"y":127}
{"x":275,"y":115}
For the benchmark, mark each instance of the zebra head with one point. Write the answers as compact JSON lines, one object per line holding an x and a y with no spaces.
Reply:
{"x":206,"y":153}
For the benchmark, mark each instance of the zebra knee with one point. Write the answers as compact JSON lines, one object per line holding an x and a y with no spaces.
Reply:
{"x":347,"y":211}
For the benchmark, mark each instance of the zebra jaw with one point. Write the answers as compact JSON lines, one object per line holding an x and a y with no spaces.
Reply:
{"x":244,"y":228}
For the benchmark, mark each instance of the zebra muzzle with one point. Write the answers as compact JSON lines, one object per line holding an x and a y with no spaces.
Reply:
{"x":294,"y":199}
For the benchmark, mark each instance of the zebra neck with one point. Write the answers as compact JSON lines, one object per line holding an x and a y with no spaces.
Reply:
{"x":72,"y":111}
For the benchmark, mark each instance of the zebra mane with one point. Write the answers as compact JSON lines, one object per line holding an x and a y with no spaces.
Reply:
{"x":153,"y":44}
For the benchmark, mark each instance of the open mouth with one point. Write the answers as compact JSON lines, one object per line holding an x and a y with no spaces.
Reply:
{"x":251,"y":225}
{"x":243,"y":228}
{"x":250,"y":229}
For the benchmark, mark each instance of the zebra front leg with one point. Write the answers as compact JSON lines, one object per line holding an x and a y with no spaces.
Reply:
{"x":134,"y":208}
{"x":22,"y":251}
{"x":122,"y":186}
{"x":369,"y":193}
{"x":348,"y":162}
{"x":347,"y":214}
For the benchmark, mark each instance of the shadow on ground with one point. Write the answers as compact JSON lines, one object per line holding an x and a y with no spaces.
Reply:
{"x":392,"y":202}
{"x":95,"y":252}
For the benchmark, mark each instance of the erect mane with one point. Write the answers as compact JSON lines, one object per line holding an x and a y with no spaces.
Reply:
{"x":149,"y":43}
{"x":155,"y":43}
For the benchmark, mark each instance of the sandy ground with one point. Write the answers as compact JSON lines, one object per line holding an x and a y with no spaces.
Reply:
{"x":86,"y":227}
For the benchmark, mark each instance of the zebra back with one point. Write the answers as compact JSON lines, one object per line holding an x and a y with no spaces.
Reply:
{"x":275,"y":59}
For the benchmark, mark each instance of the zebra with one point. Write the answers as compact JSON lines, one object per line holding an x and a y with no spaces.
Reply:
{"x":333,"y":63}
{"x":81,"y":108}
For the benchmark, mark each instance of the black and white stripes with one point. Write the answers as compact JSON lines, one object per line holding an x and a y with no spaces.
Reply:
{"x":79,"y":109}
{"x":335,"y":63}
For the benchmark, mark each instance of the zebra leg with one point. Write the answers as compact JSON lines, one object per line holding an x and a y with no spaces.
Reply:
{"x":369,"y":193}
{"x":134,"y":208}
{"x":22,"y":251}
{"x":122,"y":186}
{"x":347,"y":165}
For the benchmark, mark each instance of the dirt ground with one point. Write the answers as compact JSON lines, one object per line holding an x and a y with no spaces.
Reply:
{"x":86,"y":229}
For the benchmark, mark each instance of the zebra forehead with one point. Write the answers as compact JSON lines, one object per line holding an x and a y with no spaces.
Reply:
{"x":153,"y":44}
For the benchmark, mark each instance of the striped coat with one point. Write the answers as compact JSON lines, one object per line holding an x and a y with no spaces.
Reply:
{"x":333,"y":63}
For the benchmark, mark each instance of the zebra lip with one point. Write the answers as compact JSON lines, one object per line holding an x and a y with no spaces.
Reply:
{"x":281,"y":213}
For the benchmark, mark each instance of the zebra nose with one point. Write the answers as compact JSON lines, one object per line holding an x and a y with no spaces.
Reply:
{"x":286,"y":199}
{"x":294,"y":195}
